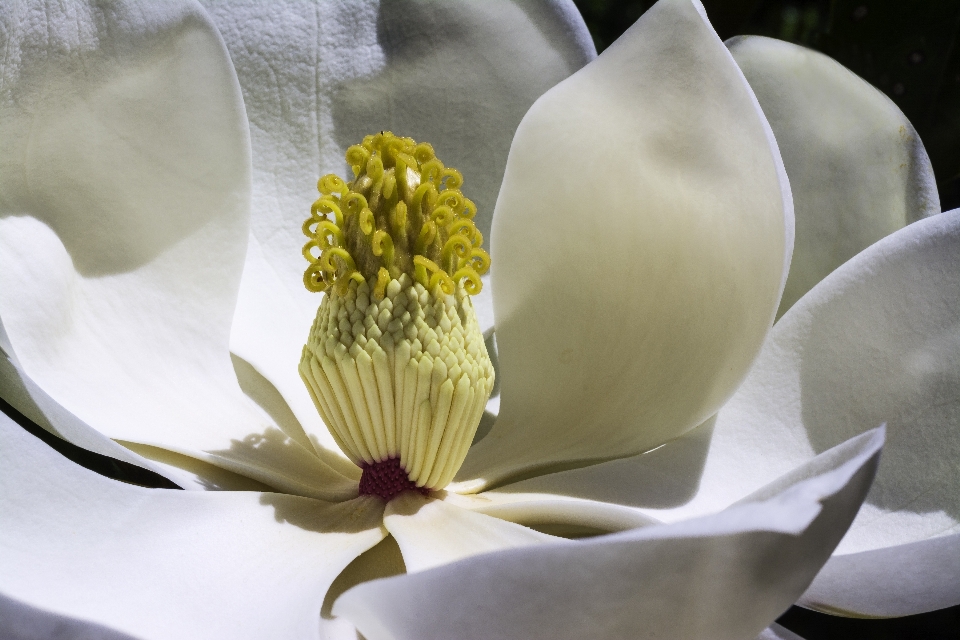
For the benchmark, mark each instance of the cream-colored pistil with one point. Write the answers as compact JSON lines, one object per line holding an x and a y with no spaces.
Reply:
{"x":404,"y":376}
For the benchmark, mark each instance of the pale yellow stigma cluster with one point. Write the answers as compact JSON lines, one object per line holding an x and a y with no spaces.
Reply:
{"x":395,"y":361}
{"x":404,"y":377}
{"x":403,"y":213}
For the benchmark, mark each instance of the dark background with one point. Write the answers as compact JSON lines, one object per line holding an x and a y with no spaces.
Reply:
{"x":905,"y":48}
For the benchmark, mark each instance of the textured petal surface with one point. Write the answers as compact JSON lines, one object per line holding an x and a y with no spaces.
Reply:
{"x":640,"y":244}
{"x":432,"y":533}
{"x":169,"y":564}
{"x":857,"y":168}
{"x":123,"y":228}
{"x":723,"y":576}
{"x":319,"y":76}
{"x":876,"y":341}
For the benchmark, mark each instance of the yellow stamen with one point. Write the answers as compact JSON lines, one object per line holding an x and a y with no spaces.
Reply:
{"x":395,"y":362}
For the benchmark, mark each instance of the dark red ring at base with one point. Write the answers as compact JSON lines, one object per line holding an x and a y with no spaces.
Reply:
{"x":387,"y":479}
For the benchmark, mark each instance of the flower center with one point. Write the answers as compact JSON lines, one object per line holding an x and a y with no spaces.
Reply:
{"x":386,"y":479}
{"x":395,"y":361}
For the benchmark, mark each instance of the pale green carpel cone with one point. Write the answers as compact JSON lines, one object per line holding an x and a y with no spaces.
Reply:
{"x":395,"y":361}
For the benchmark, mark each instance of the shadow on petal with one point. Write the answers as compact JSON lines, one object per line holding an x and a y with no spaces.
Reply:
{"x":279,"y":461}
{"x":382,"y":561}
{"x":205,"y":475}
{"x":259,"y":389}
{"x":902,"y":373}
{"x":353,"y":516}
{"x":461,"y":78}
{"x":24,"y":622}
{"x":665,"y":477}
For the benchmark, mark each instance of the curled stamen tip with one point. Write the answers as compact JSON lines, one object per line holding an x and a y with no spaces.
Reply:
{"x":403,"y":203}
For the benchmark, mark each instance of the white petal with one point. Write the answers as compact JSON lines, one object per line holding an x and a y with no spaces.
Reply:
{"x":857,"y":167}
{"x":899,"y":580}
{"x":319,"y":76}
{"x":776,"y":632}
{"x":384,"y":560}
{"x":123,"y":228}
{"x":432,"y":532}
{"x":654,"y":482}
{"x":483,"y":305}
{"x":25,"y":396}
{"x":555,"y":514}
{"x":876,"y":341}
{"x":268,"y":333}
{"x":269,"y":398}
{"x":160,"y":564}
{"x":36,"y":406}
{"x":20,"y":621}
{"x":191,"y":473}
{"x":640,"y":245}
{"x":723,"y":576}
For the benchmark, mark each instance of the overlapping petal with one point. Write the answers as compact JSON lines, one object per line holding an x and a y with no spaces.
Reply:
{"x":560,"y":515}
{"x":898,"y":580}
{"x":319,"y":76}
{"x":658,"y":483}
{"x":641,"y":239}
{"x":169,"y":564}
{"x":721,"y":576}
{"x":875,"y":342}
{"x":432,"y":533}
{"x":123,"y":228}
{"x":35,"y":405}
{"x":25,"y":396}
{"x":857,"y":168}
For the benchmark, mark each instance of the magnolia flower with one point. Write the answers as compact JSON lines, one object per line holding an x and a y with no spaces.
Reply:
{"x":157,"y":164}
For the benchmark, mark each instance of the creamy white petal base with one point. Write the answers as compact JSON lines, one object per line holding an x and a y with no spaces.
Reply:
{"x":559,"y":515}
